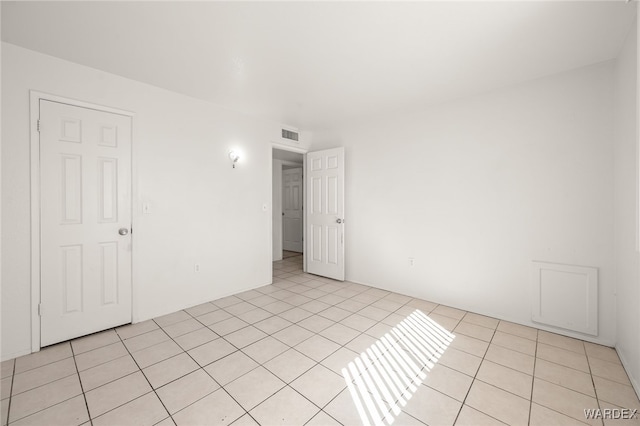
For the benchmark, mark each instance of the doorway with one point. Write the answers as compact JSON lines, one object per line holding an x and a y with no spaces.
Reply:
{"x":288,"y":191}
{"x":322,"y":198}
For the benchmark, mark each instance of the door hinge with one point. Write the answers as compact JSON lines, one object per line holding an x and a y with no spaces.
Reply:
{"x":38,"y":125}
{"x":40,"y":309}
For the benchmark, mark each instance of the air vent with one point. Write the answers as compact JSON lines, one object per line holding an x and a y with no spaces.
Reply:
{"x":290,"y":134}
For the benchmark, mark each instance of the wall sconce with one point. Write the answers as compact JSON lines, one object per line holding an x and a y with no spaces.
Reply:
{"x":234,"y":157}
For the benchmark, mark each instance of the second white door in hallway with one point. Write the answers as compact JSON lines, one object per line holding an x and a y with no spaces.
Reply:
{"x":292,"y":209}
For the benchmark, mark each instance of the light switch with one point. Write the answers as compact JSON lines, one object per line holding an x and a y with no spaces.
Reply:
{"x":264,"y":207}
{"x":146,"y":208}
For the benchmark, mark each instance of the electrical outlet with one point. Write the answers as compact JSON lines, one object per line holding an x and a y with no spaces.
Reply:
{"x":196,"y":267}
{"x":412,"y":261}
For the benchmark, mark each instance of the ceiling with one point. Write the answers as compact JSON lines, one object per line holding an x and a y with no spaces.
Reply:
{"x":315,"y":65}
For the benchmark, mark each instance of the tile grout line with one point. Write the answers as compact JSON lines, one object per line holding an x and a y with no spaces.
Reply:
{"x":546,"y":360}
{"x":378,"y":339}
{"x":267,"y":369}
{"x":553,"y":409}
{"x":46,"y":408}
{"x":533,"y":380}
{"x":316,"y":363}
{"x":102,"y":364}
{"x":286,"y":285}
{"x":595,"y":391}
{"x":50,"y":406}
{"x":475,"y":377}
{"x":220,"y":387}
{"x":46,"y":364}
{"x":326,"y":414}
{"x":13,"y":378}
{"x":143,"y":375}
{"x":84,"y":395}
{"x":412,"y":379}
{"x":541,"y":379}
{"x":339,"y":322}
{"x":298,"y":351}
{"x":321,"y":409}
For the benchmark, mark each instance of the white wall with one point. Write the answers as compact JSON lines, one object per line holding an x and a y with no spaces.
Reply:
{"x":476,"y":189}
{"x":277,"y":209}
{"x":0,"y":196}
{"x":626,"y":211}
{"x":473,"y":190}
{"x":202,"y":210}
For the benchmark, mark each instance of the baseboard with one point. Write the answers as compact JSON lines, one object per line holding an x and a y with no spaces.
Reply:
{"x":590,"y":339}
{"x":191,"y":305}
{"x":634,"y":380}
{"x":15,"y":354}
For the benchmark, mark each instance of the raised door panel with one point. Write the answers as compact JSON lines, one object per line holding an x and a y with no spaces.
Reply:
{"x":332,"y":195}
{"x":333,"y":242}
{"x":108,"y":135}
{"x":70,"y":130}
{"x":71,"y":189}
{"x":316,"y":195}
{"x":107,"y":190}
{"x":71,"y":274}
{"x":296,"y":202}
{"x":109,"y":273}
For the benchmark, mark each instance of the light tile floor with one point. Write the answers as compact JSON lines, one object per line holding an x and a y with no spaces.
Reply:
{"x":309,"y":350}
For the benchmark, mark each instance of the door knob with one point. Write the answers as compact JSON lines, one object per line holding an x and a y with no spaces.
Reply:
{"x":338,"y":220}
{"x":123,"y":231}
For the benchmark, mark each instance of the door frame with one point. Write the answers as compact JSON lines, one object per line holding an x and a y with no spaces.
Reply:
{"x":303,"y":151}
{"x":34,"y":135}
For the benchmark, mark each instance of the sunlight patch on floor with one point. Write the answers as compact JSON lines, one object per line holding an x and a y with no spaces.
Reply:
{"x":384,"y":377}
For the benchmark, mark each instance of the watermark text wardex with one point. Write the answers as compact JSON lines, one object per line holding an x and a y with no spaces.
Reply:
{"x":610,"y":413}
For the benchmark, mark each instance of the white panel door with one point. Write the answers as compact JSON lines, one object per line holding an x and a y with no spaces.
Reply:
{"x":292,"y":209}
{"x":324,"y":248}
{"x":85,"y":200}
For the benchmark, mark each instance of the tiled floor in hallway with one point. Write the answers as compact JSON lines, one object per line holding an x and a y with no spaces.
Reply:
{"x":280,"y":354}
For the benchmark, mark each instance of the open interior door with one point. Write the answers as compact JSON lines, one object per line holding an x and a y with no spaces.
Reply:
{"x":324,"y":248}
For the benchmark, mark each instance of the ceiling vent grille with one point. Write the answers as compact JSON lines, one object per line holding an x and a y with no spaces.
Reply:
{"x":290,"y":135}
